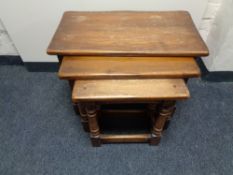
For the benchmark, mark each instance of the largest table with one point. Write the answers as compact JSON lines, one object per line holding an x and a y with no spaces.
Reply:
{"x":121,"y":45}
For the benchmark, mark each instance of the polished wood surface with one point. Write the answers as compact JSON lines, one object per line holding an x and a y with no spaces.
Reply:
{"x":74,"y":67}
{"x":129,"y":90}
{"x":114,"y":138}
{"x":171,"y":33}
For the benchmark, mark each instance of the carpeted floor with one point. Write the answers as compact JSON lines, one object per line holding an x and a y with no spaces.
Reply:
{"x":40,"y":134}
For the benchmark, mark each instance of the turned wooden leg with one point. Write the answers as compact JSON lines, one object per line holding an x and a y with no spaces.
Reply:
{"x":91,"y":110}
{"x":167,"y":123}
{"x":165,"y":112}
{"x":151,"y":112}
{"x":83,"y":116}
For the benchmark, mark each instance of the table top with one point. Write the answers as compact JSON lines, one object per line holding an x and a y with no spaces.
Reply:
{"x":127,"y":33}
{"x":146,"y":90}
{"x":84,"y":67}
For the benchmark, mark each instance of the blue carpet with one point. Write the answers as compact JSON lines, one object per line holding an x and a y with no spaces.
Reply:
{"x":40,"y":134}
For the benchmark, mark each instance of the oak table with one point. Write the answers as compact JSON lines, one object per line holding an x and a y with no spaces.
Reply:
{"x":127,"y":57}
{"x":90,"y":94}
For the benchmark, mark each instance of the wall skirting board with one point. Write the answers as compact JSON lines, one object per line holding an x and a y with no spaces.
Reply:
{"x":10,"y":60}
{"x":217,"y":76}
{"x":220,"y":76}
{"x":41,"y":66}
{"x":31,"y":66}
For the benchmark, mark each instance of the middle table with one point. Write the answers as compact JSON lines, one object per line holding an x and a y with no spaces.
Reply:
{"x":154,"y":81}
{"x":80,"y":67}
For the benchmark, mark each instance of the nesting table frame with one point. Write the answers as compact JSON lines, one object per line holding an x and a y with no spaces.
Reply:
{"x":126,"y":45}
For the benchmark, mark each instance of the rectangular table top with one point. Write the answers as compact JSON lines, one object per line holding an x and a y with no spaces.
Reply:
{"x":127,"y":33}
{"x":79,"y":67}
{"x":132,"y":90}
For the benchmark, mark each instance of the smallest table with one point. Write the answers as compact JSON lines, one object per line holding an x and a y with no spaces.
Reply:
{"x":91,"y":94}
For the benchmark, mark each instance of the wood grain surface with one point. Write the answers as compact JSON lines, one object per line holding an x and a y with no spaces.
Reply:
{"x":124,"y":33}
{"x":74,"y":67}
{"x":129,"y":90}
{"x":124,"y":138}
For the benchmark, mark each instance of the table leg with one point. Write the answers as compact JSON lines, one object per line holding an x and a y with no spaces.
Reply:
{"x":83,"y":115}
{"x":151,"y":112}
{"x":165,"y":112}
{"x":91,"y":110}
{"x":167,"y":123}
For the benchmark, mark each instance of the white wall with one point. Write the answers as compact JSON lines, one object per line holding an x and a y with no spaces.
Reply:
{"x":31,"y":23}
{"x":220,"y":39}
{"x":6,"y":45}
{"x":209,"y":16}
